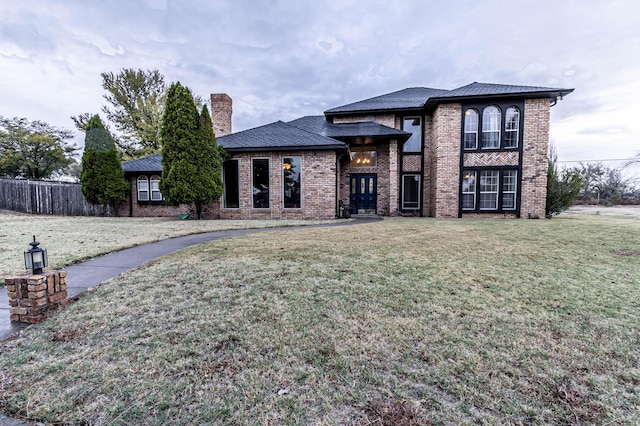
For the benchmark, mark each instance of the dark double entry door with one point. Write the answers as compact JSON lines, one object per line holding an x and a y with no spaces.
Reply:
{"x":364,"y":188}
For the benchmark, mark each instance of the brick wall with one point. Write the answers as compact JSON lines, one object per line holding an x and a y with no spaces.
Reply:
{"x":429,"y":180}
{"x":318,"y":190}
{"x":221,"y":110}
{"x":445,"y":162}
{"x":32,"y":296}
{"x":535,"y":160}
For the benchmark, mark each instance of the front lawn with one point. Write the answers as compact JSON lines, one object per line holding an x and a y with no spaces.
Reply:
{"x":398,"y":322}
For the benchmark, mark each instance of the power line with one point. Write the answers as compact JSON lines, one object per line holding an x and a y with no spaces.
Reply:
{"x":597,"y":161}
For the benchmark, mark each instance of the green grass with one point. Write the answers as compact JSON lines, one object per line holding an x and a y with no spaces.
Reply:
{"x":404,"y":321}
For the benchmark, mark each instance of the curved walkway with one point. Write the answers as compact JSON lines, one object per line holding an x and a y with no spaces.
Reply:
{"x":93,"y":272}
{"x":88,"y":274}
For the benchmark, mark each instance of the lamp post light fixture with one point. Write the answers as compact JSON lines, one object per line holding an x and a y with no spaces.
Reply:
{"x":36,"y":257}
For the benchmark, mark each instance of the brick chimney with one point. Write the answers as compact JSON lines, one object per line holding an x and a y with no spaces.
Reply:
{"x":221,"y":113}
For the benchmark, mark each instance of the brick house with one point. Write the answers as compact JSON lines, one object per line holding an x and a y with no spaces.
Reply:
{"x":476,"y":151}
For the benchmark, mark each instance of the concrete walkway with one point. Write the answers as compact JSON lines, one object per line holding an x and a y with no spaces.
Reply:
{"x":93,"y":272}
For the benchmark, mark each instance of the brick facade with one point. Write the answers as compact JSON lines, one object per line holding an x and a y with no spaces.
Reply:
{"x":537,"y":114}
{"x":445,"y":161}
{"x":32,"y":296}
{"x":318,"y":187}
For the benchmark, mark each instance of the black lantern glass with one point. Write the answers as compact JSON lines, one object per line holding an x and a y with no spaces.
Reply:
{"x":36,"y":257}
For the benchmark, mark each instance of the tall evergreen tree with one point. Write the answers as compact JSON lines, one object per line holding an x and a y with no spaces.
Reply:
{"x":189,"y":173}
{"x":215,"y":153}
{"x":102,"y":177}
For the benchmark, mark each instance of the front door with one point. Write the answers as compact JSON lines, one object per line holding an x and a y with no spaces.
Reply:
{"x":364,"y":188}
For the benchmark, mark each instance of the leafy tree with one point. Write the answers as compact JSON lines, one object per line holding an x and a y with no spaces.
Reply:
{"x":33,"y":150}
{"x":214,"y":153}
{"x":135,"y":106}
{"x":562,"y":187}
{"x":189,"y":154}
{"x":102,"y":177}
{"x":603,"y":183}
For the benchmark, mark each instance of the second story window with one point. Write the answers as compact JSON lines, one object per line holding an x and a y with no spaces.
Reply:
{"x":412,"y":125}
{"x":511,"y":127}
{"x":491,"y":128}
{"x":471,"y":129}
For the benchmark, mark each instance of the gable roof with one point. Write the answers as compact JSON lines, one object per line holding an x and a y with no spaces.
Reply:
{"x":278,"y":136}
{"x":318,"y":124}
{"x":150,"y":164}
{"x":418,"y":98}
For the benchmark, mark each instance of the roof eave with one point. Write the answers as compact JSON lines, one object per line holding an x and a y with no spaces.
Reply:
{"x":288,"y":148}
{"x":371,"y":111}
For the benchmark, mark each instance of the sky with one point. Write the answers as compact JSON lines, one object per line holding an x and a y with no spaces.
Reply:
{"x":284,"y":59}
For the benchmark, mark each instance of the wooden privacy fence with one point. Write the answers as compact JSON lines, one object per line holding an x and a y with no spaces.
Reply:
{"x":55,"y":198}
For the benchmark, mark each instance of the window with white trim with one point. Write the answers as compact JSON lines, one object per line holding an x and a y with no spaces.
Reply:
{"x":489,"y":190}
{"x":491,"y":127}
{"x":509,"y":187}
{"x":154,"y":186}
{"x":143,"y":188}
{"x":511,"y":127}
{"x":488,"y":199}
{"x":471,"y":129}
{"x":469,"y":190}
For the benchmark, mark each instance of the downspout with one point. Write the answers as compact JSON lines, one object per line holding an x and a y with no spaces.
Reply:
{"x":337,"y":202}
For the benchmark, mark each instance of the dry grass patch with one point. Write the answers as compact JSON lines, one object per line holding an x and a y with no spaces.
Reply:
{"x":69,"y":239}
{"x":405,"y":321}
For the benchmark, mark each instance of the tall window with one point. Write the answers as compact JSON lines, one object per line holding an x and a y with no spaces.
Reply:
{"x":291,"y":182}
{"x":231,"y":184}
{"x":469,"y":190}
{"x":411,"y":192}
{"x":412,"y":125}
{"x":260,"y":182}
{"x":509,"y":186}
{"x":491,"y":128}
{"x":154,"y":184}
{"x":471,"y":129}
{"x":511,"y":127}
{"x":143,"y":188}
{"x":488,"y":190}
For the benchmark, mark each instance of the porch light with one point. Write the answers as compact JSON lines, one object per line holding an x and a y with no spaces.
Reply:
{"x":36,"y":257}
{"x":286,"y":166}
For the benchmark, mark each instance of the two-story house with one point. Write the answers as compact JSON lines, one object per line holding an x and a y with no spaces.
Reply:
{"x":476,"y":151}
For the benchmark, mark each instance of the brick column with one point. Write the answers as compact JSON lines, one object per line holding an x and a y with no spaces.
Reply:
{"x":31,"y":296}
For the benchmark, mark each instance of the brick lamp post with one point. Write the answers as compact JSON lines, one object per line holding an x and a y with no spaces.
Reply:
{"x":33,"y":294}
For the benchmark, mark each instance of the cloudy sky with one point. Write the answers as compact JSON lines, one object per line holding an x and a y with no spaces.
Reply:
{"x":283,"y":59}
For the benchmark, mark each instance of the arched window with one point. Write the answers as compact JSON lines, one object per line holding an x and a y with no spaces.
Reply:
{"x":156,"y":195}
{"x":511,"y":127}
{"x":143,"y":188}
{"x":491,"y":128}
{"x":471,"y":129}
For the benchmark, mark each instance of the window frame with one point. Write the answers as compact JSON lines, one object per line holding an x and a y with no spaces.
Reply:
{"x":284,"y":182}
{"x":508,"y":131}
{"x":225,"y":189}
{"x":472,"y":192}
{"x":419,"y":191}
{"x":494,"y":186}
{"x":253,"y":176}
{"x":479,"y":189}
{"x":420,"y":133}
{"x":467,"y":130}
{"x":143,"y":179}
{"x":155,"y":179}
{"x":505,"y":128}
{"x":488,"y":129}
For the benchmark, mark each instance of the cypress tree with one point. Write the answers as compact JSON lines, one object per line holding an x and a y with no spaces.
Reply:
{"x":102,"y":177}
{"x":189,"y":173}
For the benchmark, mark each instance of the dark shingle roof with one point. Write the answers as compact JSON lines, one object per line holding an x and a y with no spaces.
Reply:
{"x":318,"y":124}
{"x":424,"y":97}
{"x":152,"y":163}
{"x":414,"y":97}
{"x":278,"y":136}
